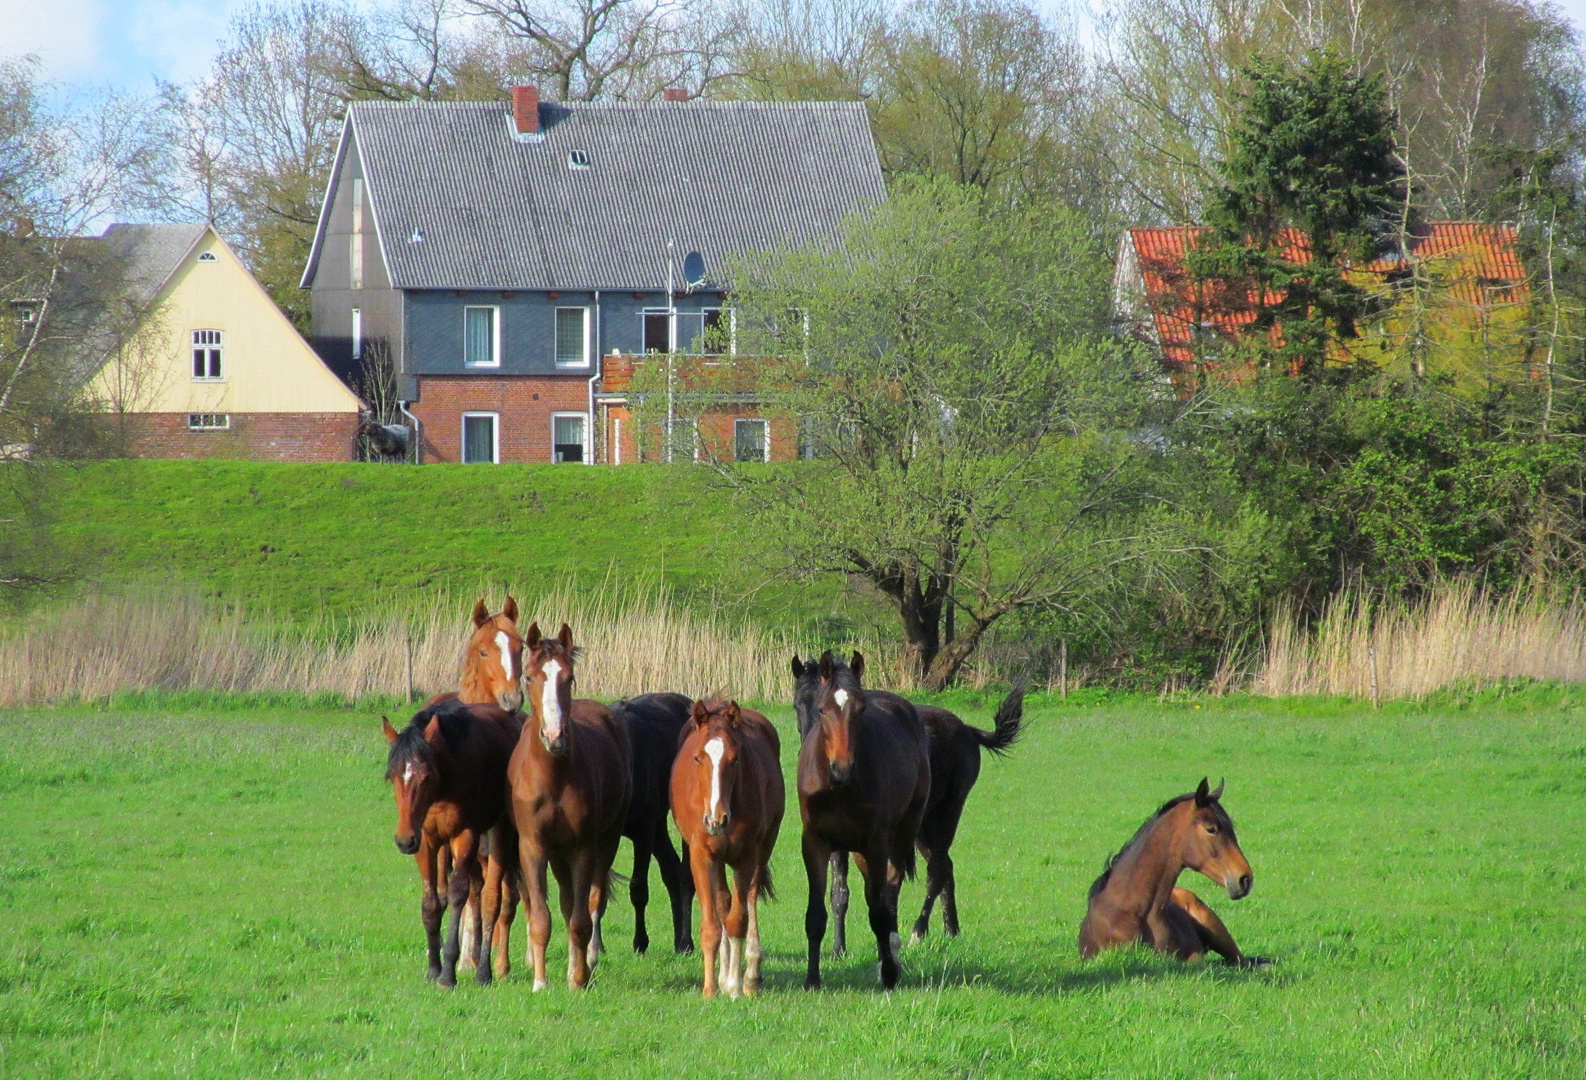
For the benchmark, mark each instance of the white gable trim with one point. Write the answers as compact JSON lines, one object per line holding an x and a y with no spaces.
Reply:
{"x":324,"y":209}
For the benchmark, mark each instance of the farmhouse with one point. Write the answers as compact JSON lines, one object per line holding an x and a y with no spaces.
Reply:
{"x":214,"y":369}
{"x":513,"y":265}
{"x":1460,"y":285}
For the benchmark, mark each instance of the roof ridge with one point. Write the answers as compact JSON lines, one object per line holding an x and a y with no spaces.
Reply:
{"x":614,"y":106}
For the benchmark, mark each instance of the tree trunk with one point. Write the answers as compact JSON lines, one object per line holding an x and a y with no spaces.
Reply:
{"x":944,"y":666}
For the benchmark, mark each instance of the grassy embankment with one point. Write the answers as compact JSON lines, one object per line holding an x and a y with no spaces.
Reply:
{"x":215,"y":894}
{"x":299,"y":540}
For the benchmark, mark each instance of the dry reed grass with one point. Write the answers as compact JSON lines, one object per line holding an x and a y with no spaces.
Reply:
{"x":1458,"y":636}
{"x":633,"y":642}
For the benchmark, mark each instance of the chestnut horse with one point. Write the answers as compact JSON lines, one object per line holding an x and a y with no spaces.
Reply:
{"x":864,"y":776}
{"x":655,"y":724}
{"x":570,"y":793}
{"x":492,"y":675}
{"x":448,"y":773}
{"x":955,"y":766}
{"x":1137,"y":897}
{"x":727,"y":800}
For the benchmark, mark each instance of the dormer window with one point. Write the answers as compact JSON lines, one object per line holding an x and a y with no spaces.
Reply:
{"x":578,"y":159}
{"x":208,"y":256}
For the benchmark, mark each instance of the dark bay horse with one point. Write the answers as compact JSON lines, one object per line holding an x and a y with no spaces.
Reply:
{"x":448,"y":773}
{"x":955,"y":766}
{"x":727,"y":799}
{"x":1137,"y":897}
{"x":570,"y":793}
{"x":864,"y":775}
{"x":655,"y":723}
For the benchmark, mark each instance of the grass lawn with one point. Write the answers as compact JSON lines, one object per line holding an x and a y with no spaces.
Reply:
{"x":216,"y":894}
{"x":298,"y":539}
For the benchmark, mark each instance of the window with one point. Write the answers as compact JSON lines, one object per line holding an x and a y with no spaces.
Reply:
{"x":657,"y":330}
{"x":206,"y":356}
{"x":751,"y":440}
{"x":208,"y":256}
{"x":481,"y":337}
{"x":616,"y":441}
{"x":567,"y":437}
{"x":578,"y":159}
{"x":208,"y":421}
{"x":25,"y":311}
{"x":355,"y":252}
{"x":481,"y":445}
{"x":357,"y":333}
{"x":572,"y":337}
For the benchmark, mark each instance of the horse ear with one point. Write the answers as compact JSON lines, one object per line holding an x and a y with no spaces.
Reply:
{"x":734,"y":714}
{"x":481,"y":614}
{"x":857,"y":664}
{"x":1214,"y":796}
{"x":1203,"y":793}
{"x":390,"y":732}
{"x":565,"y":636}
{"x":432,"y":730}
{"x":699,"y":714}
{"x":798,"y":668}
{"x":531,"y":638}
{"x":827,"y":665}
{"x":510,"y":609}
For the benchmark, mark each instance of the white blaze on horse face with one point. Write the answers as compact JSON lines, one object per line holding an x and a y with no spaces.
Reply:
{"x":504,"y":643}
{"x":715,"y":749}
{"x":842,"y":699}
{"x":407,"y":774}
{"x":550,"y":704}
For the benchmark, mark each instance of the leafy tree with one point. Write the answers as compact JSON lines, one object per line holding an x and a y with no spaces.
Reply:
{"x":977,"y":437}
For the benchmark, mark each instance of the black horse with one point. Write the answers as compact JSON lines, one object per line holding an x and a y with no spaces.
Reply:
{"x":654,"y":723}
{"x":955,"y":766}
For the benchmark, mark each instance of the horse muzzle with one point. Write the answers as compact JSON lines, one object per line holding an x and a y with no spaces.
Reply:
{"x":1239,"y":887}
{"x":510,"y":700}
{"x":717,"y":828}
{"x":839,"y":774}
{"x":556,"y":747}
{"x":408,"y":845}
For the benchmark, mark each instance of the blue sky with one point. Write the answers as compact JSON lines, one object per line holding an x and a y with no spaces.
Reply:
{"x":129,"y":43}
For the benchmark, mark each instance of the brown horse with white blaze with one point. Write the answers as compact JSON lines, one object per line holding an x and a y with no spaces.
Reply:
{"x":1137,"y":898}
{"x":727,"y":799}
{"x":570,"y":777}
{"x":448,"y":774}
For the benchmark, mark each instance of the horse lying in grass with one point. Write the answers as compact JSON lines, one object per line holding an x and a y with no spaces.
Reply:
{"x":955,"y":766}
{"x":1137,"y":898}
{"x":570,"y":776}
{"x":448,"y":774}
{"x":864,"y":775}
{"x":727,"y":799}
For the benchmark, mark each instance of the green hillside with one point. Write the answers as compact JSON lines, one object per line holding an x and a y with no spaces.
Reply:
{"x":298,"y":538}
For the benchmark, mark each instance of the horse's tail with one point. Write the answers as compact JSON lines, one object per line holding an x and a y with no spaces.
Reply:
{"x":1009,"y":724}
{"x":767,"y":888}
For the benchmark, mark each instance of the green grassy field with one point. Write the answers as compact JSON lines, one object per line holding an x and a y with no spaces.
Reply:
{"x":215,"y":893}
{"x":299,"y":539}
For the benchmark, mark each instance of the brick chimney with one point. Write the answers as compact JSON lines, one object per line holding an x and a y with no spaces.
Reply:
{"x":674,"y":93}
{"x":526,"y":109}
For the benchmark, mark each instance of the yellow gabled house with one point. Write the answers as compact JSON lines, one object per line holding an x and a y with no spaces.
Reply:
{"x":214,"y":369}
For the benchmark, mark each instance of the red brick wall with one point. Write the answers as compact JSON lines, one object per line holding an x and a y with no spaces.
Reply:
{"x":716,"y":428}
{"x":525,"y":404}
{"x":255,"y":436}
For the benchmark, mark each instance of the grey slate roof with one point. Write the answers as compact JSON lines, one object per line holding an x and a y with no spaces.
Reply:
{"x":152,"y":253}
{"x":716,"y":177}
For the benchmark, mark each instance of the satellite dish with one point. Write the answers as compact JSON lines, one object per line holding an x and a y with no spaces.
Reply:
{"x":694,"y":268}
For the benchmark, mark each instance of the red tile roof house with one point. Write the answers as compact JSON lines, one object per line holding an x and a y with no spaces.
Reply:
{"x":1156,"y":298}
{"x":518,"y":259}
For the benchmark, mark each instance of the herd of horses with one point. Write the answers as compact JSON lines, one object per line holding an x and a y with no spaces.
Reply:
{"x":512,"y":776}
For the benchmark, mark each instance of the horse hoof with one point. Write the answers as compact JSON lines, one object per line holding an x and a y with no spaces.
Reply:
{"x":446,"y":982}
{"x":812,"y":982}
{"x":641,"y":945}
{"x":435,"y":973}
{"x":684,"y":948}
{"x":916,"y":937}
{"x":482,"y":976}
{"x":540,"y":984}
{"x":838,"y":952}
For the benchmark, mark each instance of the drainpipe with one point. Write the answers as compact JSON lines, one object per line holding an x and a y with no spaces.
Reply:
{"x":418,"y":433}
{"x":589,"y":431}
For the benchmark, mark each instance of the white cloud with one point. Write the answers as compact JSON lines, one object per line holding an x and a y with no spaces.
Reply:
{"x":63,"y":34}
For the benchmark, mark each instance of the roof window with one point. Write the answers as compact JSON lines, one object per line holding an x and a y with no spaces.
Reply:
{"x":578,"y":159}
{"x":208,"y":256}
{"x":418,"y":235}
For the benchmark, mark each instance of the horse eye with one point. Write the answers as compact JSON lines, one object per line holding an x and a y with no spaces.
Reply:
{"x":1212,"y":829}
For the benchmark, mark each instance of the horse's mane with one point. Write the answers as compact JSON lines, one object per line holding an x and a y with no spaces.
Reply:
{"x":410,"y":744}
{"x":808,"y":684}
{"x":1100,"y":883}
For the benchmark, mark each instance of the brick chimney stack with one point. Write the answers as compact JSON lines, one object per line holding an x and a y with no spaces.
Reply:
{"x":674,"y":93}
{"x":526,"y":109}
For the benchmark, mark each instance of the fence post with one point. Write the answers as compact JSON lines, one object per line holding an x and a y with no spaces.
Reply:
{"x":1371,"y":652}
{"x":1062,"y":669}
{"x":409,"y":637}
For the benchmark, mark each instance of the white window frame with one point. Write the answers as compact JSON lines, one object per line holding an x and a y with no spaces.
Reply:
{"x":495,"y":438}
{"x":568,"y":414}
{"x":219,"y":345}
{"x":765,"y":447}
{"x":355,"y":242}
{"x":208,"y":257}
{"x":671,"y":328}
{"x":208,"y":421}
{"x":495,"y":336}
{"x":357,"y":333}
{"x":616,"y":440}
{"x":556,"y":335}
